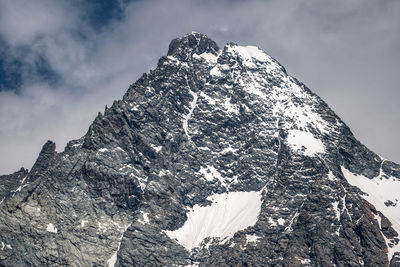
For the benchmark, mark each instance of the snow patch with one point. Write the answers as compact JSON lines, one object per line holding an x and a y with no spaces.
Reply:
{"x":50,"y":228}
{"x":119,"y":149}
{"x":299,"y":139}
{"x":156,"y":148}
{"x":211,"y":58}
{"x":253,"y":56}
{"x":3,"y":246}
{"x":228,"y":149}
{"x":379,"y":219}
{"x":228,"y":213}
{"x":331,"y":176}
{"x":252,"y":238}
{"x":210,"y":173}
{"x":271,"y":221}
{"x":300,"y":112}
{"x":305,"y":261}
{"x":207,"y":98}
{"x":111,"y":262}
{"x":251,"y":52}
{"x":255,"y":89}
{"x":229,"y":107}
{"x":336,"y":209}
{"x":391,"y":245}
{"x":379,"y":190}
{"x":215,"y":71}
{"x":145,"y":216}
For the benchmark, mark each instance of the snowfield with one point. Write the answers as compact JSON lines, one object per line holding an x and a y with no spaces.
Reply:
{"x":228,"y":213}
{"x":299,"y":140}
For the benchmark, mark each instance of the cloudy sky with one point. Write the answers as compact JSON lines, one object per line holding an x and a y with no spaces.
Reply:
{"x":61,"y":61}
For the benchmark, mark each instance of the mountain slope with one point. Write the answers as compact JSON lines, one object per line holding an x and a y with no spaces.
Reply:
{"x":216,"y":157}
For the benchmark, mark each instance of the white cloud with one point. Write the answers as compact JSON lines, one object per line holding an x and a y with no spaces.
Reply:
{"x":22,"y":21}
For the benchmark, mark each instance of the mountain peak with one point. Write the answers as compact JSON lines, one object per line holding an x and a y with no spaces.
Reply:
{"x":215,"y":152}
{"x":45,"y":156}
{"x":192,"y":43}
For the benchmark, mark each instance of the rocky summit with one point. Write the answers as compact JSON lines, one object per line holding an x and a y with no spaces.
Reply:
{"x":217,"y":157}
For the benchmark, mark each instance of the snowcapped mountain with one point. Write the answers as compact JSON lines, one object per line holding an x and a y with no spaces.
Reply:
{"x":217,"y":157}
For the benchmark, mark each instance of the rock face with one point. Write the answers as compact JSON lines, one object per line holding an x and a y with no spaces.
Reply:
{"x":216,"y":158}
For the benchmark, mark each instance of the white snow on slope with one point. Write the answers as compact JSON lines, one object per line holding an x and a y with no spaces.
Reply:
{"x":215,"y":71}
{"x":252,"y":238}
{"x":228,"y":149}
{"x":380,"y":191}
{"x":302,"y":116}
{"x":156,"y":148}
{"x":289,"y":100}
{"x":228,"y":213}
{"x":145,"y":216}
{"x":209,"y":57}
{"x":209,"y":99}
{"x":336,"y":209}
{"x":210,"y":173}
{"x":51,"y":228}
{"x":229,"y":107}
{"x":252,"y":55}
{"x":299,"y":139}
{"x":249,"y":52}
{"x":111,"y":262}
{"x":254,"y":88}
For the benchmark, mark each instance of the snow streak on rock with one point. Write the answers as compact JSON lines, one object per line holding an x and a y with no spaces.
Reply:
{"x":187,"y":117}
{"x":111,"y":262}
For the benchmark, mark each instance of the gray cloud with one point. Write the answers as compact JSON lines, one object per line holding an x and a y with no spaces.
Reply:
{"x":345,"y":51}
